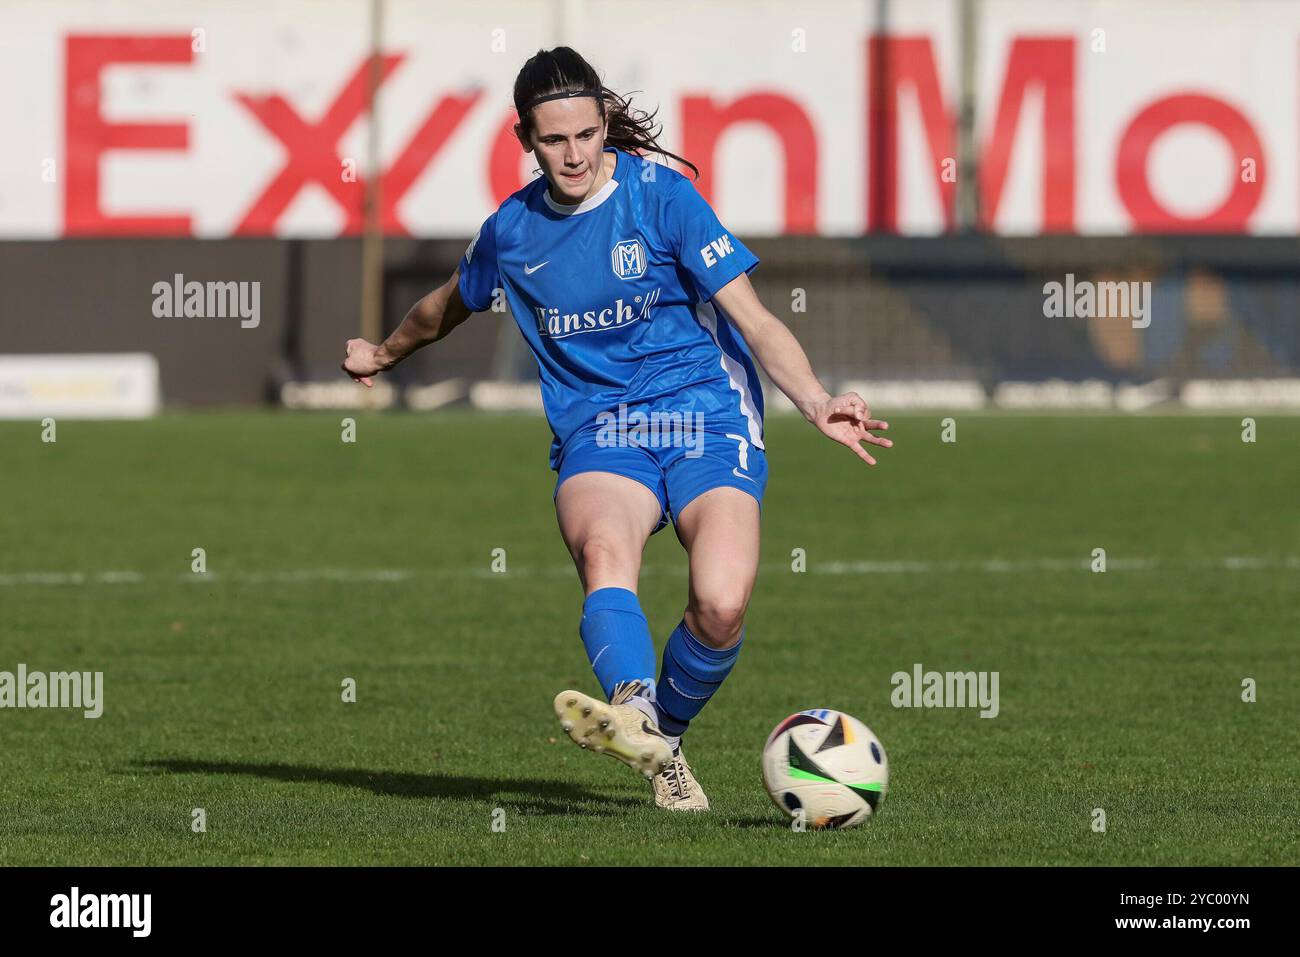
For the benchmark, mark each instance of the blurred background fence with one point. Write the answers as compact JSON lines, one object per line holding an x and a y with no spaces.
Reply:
{"x":929,"y":313}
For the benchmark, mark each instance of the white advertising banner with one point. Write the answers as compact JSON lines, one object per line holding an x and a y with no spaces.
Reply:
{"x":112,"y":386}
{"x":247,"y":117}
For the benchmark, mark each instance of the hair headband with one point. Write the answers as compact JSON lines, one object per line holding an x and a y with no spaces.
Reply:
{"x":561,"y":96}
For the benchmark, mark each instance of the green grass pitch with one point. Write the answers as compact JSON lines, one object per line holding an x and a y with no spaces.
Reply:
{"x":372,"y":561}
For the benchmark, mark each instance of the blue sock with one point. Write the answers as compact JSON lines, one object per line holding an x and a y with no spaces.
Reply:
{"x":617,"y":638}
{"x":690,"y":674}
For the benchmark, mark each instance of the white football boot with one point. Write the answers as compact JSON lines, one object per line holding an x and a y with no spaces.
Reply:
{"x":676,"y":788}
{"x":619,"y":729}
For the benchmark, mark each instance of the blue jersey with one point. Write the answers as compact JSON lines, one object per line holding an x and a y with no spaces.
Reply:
{"x":613,"y":296}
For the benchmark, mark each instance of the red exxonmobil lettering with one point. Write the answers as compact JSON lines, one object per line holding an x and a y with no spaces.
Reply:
{"x":88,"y":136}
{"x":1037,"y":107}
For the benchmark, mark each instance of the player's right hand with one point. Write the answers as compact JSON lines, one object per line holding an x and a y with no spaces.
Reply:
{"x":361,"y":362}
{"x":847,"y":419}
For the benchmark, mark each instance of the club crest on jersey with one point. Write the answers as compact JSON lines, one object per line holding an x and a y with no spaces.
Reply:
{"x":628,"y":259}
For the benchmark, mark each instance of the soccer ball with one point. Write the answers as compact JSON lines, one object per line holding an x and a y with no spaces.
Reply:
{"x":827,"y":766}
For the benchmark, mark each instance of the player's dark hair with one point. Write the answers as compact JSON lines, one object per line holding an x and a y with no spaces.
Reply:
{"x":563,"y":70}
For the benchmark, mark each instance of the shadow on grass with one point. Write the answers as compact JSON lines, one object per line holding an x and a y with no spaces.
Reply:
{"x":527,"y":795}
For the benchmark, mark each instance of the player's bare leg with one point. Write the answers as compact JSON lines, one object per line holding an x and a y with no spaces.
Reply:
{"x":605,"y":520}
{"x":720,"y":531}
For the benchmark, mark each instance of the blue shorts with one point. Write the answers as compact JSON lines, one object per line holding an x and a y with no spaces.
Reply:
{"x":677,"y":471}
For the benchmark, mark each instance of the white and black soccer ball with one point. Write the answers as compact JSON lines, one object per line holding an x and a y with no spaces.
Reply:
{"x":827,"y":766}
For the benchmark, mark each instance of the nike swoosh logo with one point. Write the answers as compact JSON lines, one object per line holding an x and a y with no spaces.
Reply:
{"x":529,"y":270}
{"x":740,"y":474}
{"x":645,"y":726}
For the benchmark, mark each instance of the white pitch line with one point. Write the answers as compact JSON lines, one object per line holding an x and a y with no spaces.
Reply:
{"x":299,"y":575}
{"x":997,"y":566}
{"x":990,"y":565}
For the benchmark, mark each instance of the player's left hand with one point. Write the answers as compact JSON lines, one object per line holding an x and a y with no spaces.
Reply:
{"x":847,"y":420}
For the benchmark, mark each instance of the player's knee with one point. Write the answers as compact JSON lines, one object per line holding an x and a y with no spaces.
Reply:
{"x":719,"y":616}
{"x":599,"y":556}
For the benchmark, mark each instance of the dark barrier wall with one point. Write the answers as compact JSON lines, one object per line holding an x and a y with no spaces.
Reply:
{"x":876,"y":306}
{"x":976,"y":306}
{"x":97,"y":296}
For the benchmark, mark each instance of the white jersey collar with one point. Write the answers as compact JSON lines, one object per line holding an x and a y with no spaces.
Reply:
{"x":591,"y":202}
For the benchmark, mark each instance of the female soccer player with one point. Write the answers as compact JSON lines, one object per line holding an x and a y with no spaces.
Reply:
{"x":637,"y":304}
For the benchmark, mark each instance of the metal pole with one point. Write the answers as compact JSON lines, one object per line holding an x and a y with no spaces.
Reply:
{"x":880,"y":144}
{"x":968,"y":193}
{"x":372,"y":240}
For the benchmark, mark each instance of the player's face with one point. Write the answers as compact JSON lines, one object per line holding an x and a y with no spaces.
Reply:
{"x":568,"y":138}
